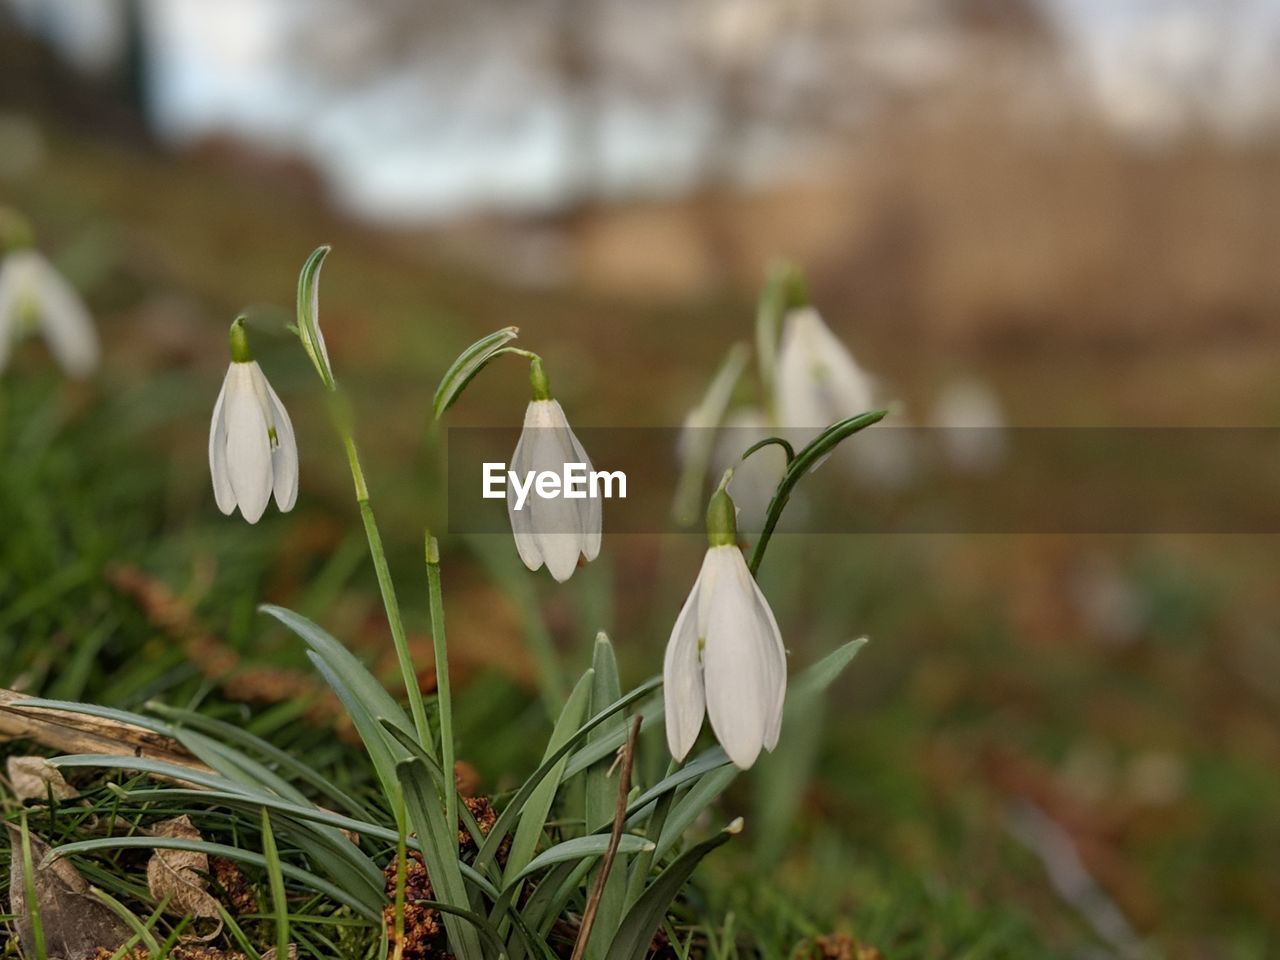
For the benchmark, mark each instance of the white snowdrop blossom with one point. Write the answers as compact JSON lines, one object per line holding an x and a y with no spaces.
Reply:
{"x":551,"y":530}
{"x":817,"y":382}
{"x":725,"y":657}
{"x":252,"y":450}
{"x":33,"y":295}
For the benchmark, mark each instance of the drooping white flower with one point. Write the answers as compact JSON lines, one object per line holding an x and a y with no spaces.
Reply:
{"x":252,"y":450}
{"x":34,"y":295}
{"x":725,"y":657}
{"x":551,"y":530}
{"x":817,"y":382}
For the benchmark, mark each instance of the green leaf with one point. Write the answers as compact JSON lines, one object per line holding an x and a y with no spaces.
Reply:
{"x":534,"y":816}
{"x":330,"y":848}
{"x":689,"y":807}
{"x":360,"y":692}
{"x":704,"y":763}
{"x":384,"y":752}
{"x":783,"y":775}
{"x":635,"y":935}
{"x":229,"y":733}
{"x":439,"y":853}
{"x":816,"y":679}
{"x":609,"y":745}
{"x":343,"y":662}
{"x":583,"y":848}
{"x":506,"y":820}
{"x":602,"y":795}
{"x":275,"y":881}
{"x":470,"y":362}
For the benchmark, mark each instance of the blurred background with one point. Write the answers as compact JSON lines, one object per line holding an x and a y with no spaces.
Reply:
{"x":1053,"y":745}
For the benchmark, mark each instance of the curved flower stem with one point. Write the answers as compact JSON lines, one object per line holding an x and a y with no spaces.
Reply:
{"x":342,"y":421}
{"x":800,"y":464}
{"x":443,"y":692}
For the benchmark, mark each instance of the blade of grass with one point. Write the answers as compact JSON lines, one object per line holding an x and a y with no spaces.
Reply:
{"x":635,"y":934}
{"x":275,"y":880}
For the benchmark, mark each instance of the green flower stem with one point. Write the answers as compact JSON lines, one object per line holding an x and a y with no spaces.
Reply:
{"x":800,"y":464}
{"x":444,"y":695}
{"x":342,"y":421}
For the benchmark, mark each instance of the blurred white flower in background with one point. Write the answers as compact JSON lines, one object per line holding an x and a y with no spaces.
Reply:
{"x":34,"y":296}
{"x":972,"y":422}
{"x":252,"y":449}
{"x":817,"y":381}
{"x":552,"y":530}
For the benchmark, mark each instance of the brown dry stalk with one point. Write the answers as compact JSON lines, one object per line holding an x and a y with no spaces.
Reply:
{"x":615,"y":838}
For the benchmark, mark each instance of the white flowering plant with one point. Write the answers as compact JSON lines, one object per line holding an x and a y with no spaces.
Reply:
{"x":586,"y":858}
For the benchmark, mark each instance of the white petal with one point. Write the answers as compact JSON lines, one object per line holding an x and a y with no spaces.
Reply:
{"x":284,"y":458}
{"x":222,"y":491}
{"x":522,"y":519}
{"x":68,"y":327}
{"x":555,"y":520}
{"x":682,"y":679}
{"x":775,"y":650}
{"x":248,"y":446}
{"x":590,"y":512}
{"x":740,"y":662}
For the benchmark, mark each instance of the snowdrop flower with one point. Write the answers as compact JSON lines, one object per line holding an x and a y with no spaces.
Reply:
{"x":725,"y":657}
{"x":252,"y":451}
{"x":551,"y":530}
{"x":34,"y":295}
{"x":817,"y":381}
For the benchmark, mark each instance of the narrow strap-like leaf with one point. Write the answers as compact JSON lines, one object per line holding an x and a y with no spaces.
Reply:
{"x":635,"y":934}
{"x":534,"y":816}
{"x":440,"y":854}
{"x":217,"y":850}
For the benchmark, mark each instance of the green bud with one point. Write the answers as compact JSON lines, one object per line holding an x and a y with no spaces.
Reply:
{"x":240,"y":352}
{"x":538,"y":380}
{"x":722,"y":520}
